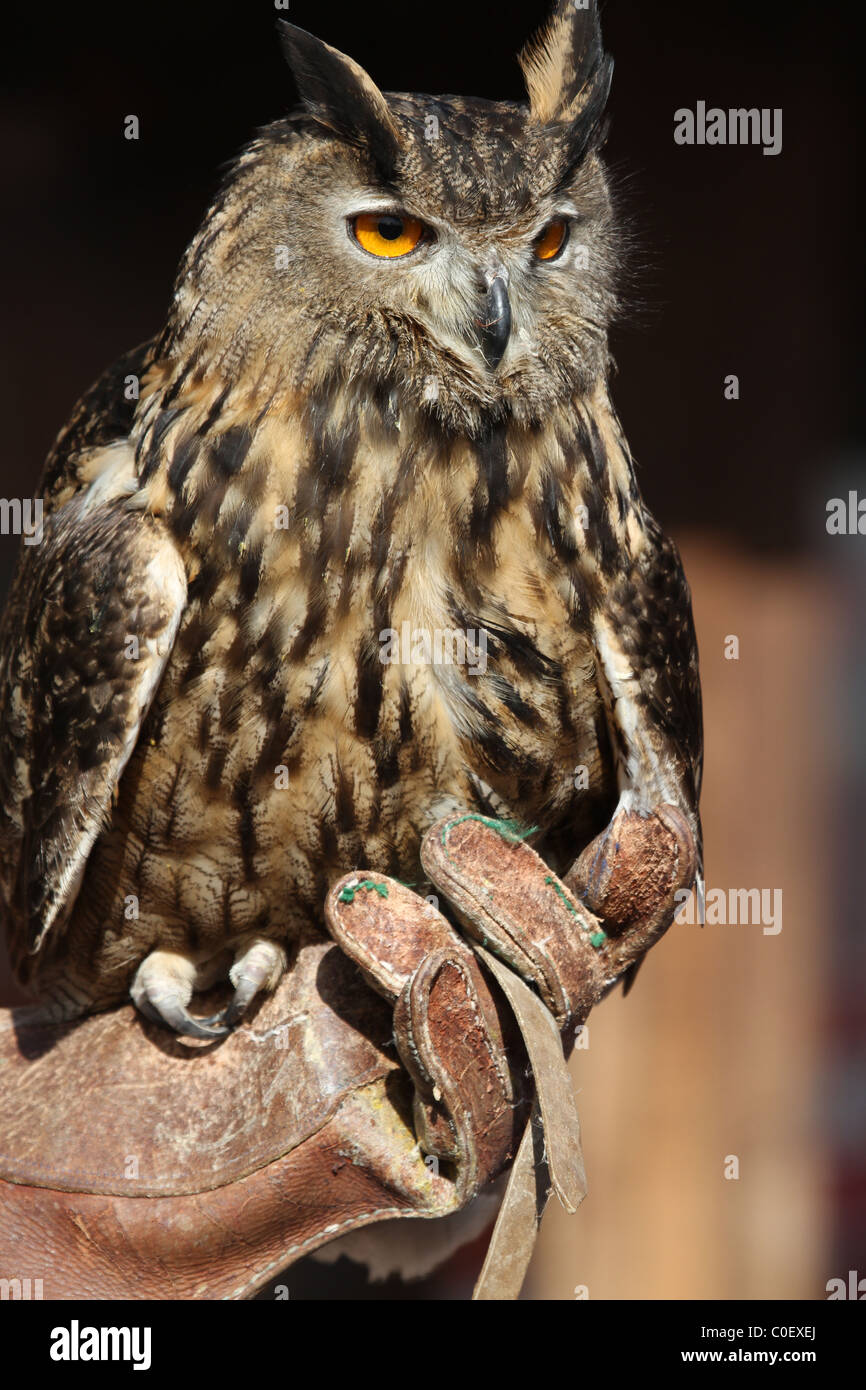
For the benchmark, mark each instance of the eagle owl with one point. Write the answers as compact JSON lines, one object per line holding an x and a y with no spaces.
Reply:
{"x":365,"y":548}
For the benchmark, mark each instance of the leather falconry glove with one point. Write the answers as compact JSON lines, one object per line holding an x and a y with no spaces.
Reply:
{"x":136,"y":1165}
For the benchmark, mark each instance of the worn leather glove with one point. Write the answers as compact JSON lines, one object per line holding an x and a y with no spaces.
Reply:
{"x":135,"y":1165}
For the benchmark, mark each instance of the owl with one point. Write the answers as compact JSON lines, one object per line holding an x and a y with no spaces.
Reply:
{"x":363,"y":548}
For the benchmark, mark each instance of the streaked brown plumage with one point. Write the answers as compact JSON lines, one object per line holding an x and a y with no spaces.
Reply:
{"x":323,"y":450}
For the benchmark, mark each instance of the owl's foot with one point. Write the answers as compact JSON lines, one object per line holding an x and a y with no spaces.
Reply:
{"x":162,"y":989}
{"x":258,"y":965}
{"x":165,"y":982}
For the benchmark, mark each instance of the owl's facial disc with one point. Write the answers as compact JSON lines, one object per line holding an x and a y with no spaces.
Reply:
{"x":479,"y":303}
{"x":471,"y":288}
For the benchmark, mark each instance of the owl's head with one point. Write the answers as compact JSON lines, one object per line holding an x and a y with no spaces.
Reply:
{"x":456,"y":251}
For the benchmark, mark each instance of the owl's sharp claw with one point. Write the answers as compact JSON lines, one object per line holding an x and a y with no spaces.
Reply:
{"x":165,"y":980}
{"x":258,"y":967}
{"x":180,"y":1020}
{"x":162,"y":989}
{"x":235,"y":1011}
{"x":229,"y":1017}
{"x":169,"y":1013}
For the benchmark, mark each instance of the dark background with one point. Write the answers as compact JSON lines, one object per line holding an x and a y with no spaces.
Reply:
{"x":743,"y":264}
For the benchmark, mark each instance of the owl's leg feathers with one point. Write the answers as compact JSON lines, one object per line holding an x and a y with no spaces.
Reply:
{"x":258,"y":965}
{"x":162,"y":989}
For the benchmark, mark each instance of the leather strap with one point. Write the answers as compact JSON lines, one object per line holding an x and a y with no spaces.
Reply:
{"x":513,"y":1240}
{"x":556,"y":1102}
{"x":550,"y":1146}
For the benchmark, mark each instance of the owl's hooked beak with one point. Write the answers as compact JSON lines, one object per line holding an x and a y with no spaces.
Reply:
{"x":493,"y":326}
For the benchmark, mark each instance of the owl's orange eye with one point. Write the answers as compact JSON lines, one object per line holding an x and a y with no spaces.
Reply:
{"x":387,"y":233}
{"x":552,"y":240}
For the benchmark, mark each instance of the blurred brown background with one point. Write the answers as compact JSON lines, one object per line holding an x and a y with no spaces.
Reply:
{"x":734,"y":1042}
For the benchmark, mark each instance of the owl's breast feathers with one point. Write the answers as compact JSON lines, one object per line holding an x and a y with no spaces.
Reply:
{"x":381,"y":622}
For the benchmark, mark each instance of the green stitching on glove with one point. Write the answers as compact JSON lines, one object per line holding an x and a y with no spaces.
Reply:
{"x":348,"y":893}
{"x":599,"y":937}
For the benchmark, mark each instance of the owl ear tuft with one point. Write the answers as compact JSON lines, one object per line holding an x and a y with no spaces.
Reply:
{"x":566,"y":69}
{"x":339,"y":94}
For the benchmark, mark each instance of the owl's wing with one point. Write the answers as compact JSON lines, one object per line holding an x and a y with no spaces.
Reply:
{"x":103,"y":415}
{"x":648,"y":666}
{"x":85,"y":638}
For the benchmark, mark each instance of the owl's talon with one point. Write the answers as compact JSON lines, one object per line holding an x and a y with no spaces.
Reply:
{"x":258,"y":966}
{"x":165,"y":980}
{"x":161,"y":990}
{"x":180,"y":1020}
{"x":176,"y":1017}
